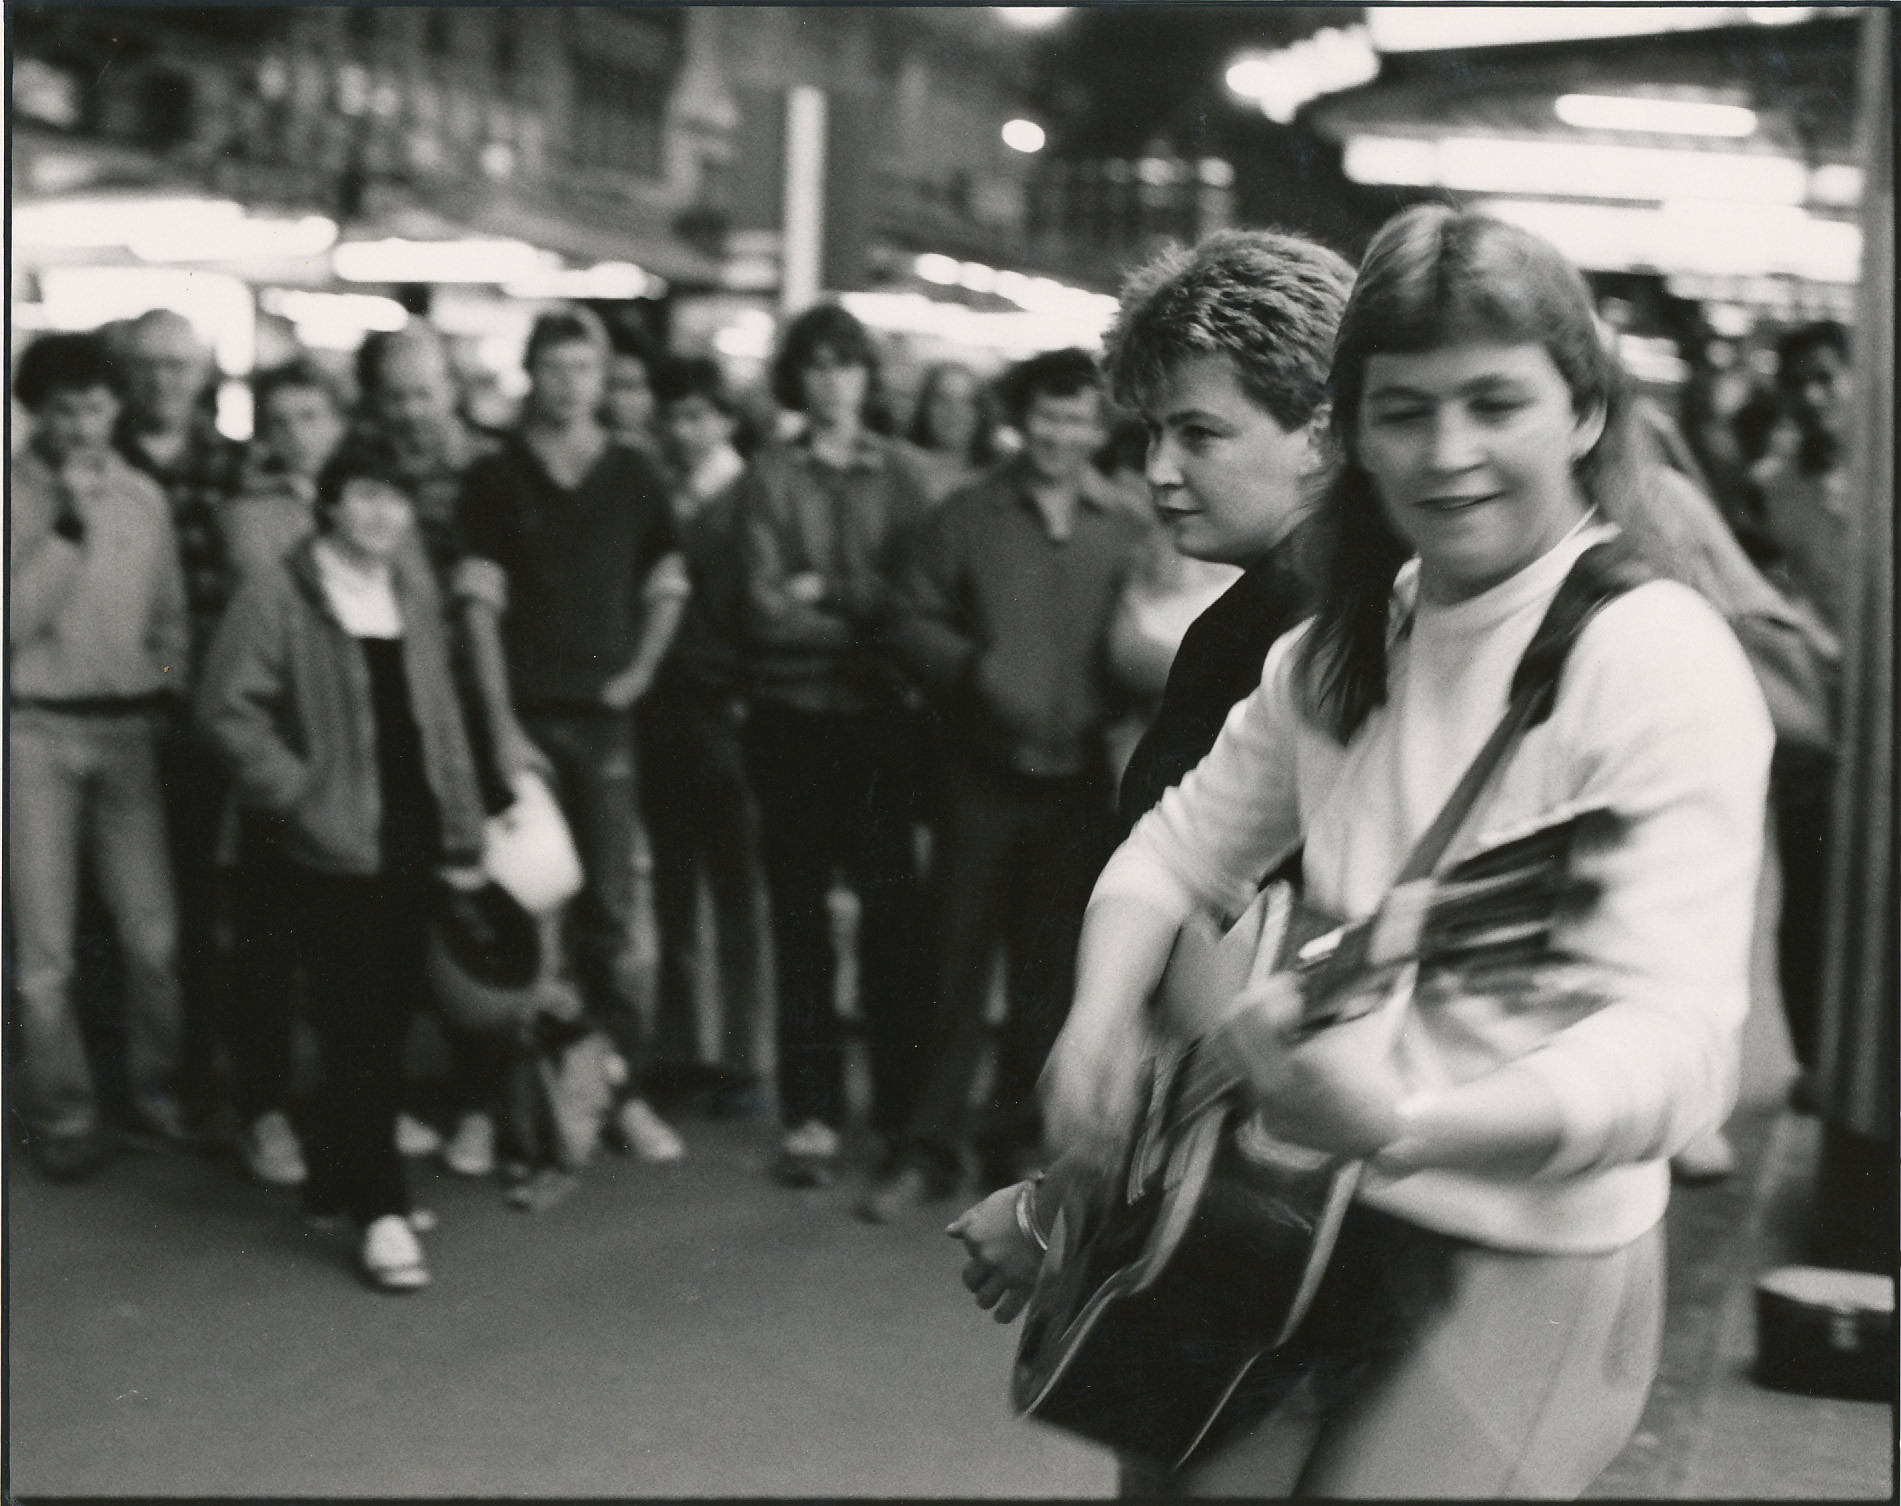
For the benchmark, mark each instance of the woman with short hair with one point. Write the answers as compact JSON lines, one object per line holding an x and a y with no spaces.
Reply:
{"x":329,"y":697}
{"x":1516,"y":1138}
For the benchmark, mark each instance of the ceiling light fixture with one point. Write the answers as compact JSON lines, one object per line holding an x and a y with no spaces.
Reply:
{"x":1661,"y":117}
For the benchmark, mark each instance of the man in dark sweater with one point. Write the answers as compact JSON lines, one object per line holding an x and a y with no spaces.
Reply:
{"x":574,"y":586}
{"x":1225,"y":350}
{"x":1003,"y":615}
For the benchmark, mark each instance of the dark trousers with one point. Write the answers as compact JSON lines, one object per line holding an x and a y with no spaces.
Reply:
{"x":702,"y":822}
{"x":1801,"y":793}
{"x":361,"y":942}
{"x":261,"y":1013}
{"x":835,"y":792}
{"x":194,"y":785}
{"x":1017,"y":859}
{"x":592,"y":754}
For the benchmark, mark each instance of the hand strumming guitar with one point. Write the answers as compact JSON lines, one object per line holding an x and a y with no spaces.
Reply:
{"x":1337,"y":1091}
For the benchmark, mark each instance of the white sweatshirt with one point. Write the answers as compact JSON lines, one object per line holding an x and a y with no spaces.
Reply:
{"x":1658,"y":716}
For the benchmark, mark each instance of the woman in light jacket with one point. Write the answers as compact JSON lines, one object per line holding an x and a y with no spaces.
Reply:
{"x":328,"y":694}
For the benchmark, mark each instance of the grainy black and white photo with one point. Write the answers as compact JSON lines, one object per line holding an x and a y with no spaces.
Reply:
{"x":950,"y":751}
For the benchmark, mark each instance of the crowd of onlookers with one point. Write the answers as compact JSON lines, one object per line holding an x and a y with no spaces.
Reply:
{"x":268,"y":701}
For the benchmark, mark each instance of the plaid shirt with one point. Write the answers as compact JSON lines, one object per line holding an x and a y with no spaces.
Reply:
{"x":204,"y":477}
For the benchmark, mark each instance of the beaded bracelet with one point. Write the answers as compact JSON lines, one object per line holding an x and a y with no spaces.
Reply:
{"x":1026,"y":1213}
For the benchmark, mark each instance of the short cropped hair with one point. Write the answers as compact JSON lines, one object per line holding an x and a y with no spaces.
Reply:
{"x":568,"y":326}
{"x":826,"y":327}
{"x":1053,"y":373}
{"x":302,"y":372}
{"x":1823,"y":334}
{"x":362,"y":458}
{"x":1268,"y":301}
{"x":682,"y":377}
{"x":65,"y":363}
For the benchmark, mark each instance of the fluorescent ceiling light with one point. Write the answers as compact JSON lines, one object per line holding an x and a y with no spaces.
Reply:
{"x":608,"y":279}
{"x":218,"y":306}
{"x":943,"y":270}
{"x":500,"y":261}
{"x":214,"y":238}
{"x":1434,"y":28}
{"x":81,"y":224}
{"x":357,"y":311}
{"x":1717,"y":240}
{"x":1662,"y":117}
{"x":1031,"y":17}
{"x":1023,"y":136}
{"x":1280,"y":82}
{"x":1585,"y":170}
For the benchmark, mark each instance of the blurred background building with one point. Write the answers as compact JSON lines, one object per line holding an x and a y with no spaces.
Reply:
{"x":974,"y":180}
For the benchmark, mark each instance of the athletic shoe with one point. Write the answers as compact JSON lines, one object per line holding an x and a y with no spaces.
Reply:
{"x":414,"y":1138}
{"x":270,"y":1151}
{"x":391,"y":1255}
{"x":471,"y":1149}
{"x":647,"y":1135}
{"x":808,"y":1156}
{"x":68,"y":1158}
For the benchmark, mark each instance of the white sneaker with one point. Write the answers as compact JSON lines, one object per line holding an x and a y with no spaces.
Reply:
{"x":471,"y":1149}
{"x":392,"y":1255}
{"x":414,"y":1138}
{"x":647,"y":1135}
{"x":270,"y":1151}
{"x":813,"y":1138}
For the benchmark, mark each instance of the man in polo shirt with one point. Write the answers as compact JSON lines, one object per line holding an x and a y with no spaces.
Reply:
{"x":574,"y":587}
{"x":165,"y":430}
{"x":829,"y":738}
{"x":1004,"y":617}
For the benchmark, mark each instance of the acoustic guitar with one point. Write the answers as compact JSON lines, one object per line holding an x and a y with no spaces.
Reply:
{"x":1169,"y":1277}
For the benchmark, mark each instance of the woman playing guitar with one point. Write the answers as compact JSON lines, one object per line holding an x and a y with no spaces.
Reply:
{"x":1482,"y":427}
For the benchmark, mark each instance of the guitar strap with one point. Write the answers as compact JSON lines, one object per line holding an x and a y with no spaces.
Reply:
{"x":1599,"y":576}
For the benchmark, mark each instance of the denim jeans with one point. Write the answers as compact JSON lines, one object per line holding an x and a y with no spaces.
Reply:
{"x":592,"y":754}
{"x":89,"y":785}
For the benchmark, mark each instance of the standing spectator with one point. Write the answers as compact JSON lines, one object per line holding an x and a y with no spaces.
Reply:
{"x":97,"y":641}
{"x":627,"y":406}
{"x":166,"y":431}
{"x":409,"y":397}
{"x":328,"y":693}
{"x":698,"y":806}
{"x":1225,"y":351}
{"x":300,"y":422}
{"x":829,"y":741}
{"x":1806,"y":513}
{"x":952,"y":428}
{"x":1004,"y":617}
{"x":575,"y":585}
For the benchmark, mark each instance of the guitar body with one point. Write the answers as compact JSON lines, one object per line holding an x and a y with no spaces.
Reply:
{"x":1170,"y":1276}
{"x":1147,"y":1316}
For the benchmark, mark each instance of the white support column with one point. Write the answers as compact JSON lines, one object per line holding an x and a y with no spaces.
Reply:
{"x":804,"y":220}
